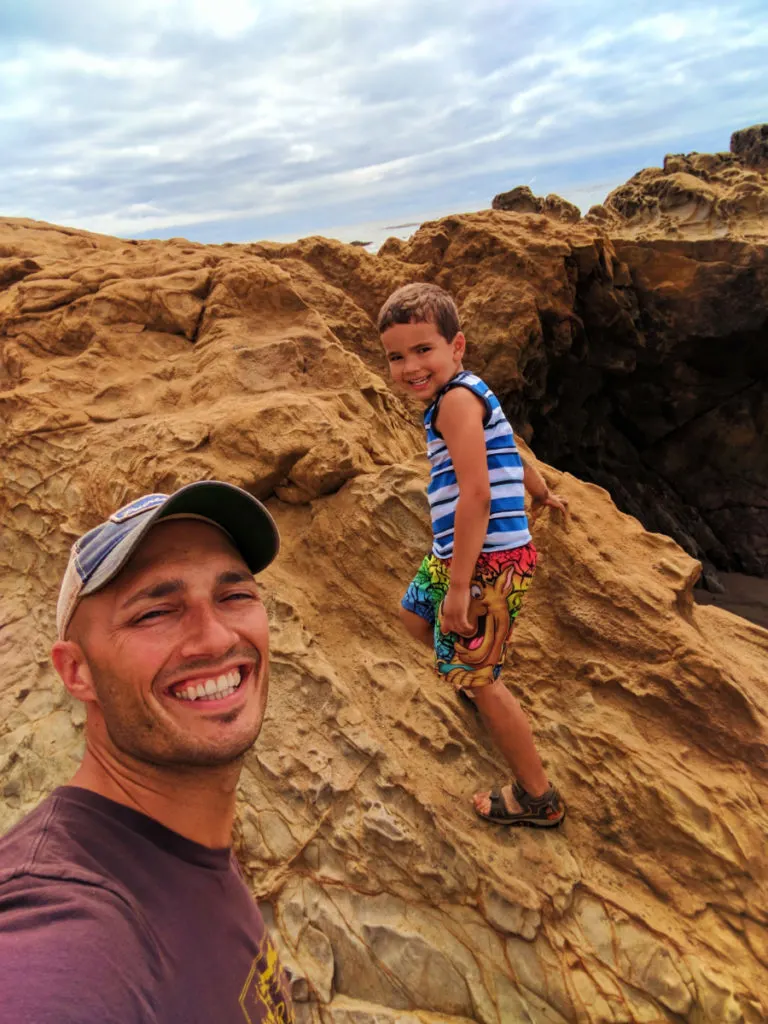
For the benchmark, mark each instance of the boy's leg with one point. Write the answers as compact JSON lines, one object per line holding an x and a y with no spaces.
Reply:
{"x":498,"y":587}
{"x":510,"y":731}
{"x":419,"y":628}
{"x":418,"y":609}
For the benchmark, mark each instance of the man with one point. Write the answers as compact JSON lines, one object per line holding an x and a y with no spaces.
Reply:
{"x":120,"y":900}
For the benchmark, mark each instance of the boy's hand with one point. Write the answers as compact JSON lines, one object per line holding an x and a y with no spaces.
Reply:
{"x":550,"y":500}
{"x":454,"y":612}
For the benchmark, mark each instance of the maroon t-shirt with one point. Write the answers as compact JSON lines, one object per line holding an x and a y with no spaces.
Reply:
{"x":108,"y":917}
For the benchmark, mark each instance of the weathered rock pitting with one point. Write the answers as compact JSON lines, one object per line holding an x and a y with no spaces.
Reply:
{"x":750,"y":145}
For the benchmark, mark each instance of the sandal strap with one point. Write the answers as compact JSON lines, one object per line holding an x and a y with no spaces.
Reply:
{"x":498,"y":807}
{"x":536,"y":804}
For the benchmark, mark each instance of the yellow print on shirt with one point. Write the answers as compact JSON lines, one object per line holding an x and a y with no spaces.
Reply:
{"x":264,"y":998}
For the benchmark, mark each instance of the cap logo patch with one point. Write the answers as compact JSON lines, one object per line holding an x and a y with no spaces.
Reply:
{"x":149,"y":501}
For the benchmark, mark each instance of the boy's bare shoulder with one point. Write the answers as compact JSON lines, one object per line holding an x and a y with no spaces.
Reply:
{"x":460,"y":419}
{"x":461,"y":400}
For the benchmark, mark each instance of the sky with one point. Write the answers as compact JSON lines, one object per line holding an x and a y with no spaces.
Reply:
{"x":234,"y":120}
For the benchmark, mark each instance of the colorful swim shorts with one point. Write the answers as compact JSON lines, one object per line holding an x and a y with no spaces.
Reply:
{"x":498,"y":586}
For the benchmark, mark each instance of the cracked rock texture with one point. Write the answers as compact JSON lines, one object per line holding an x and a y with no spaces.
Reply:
{"x":134,"y":367}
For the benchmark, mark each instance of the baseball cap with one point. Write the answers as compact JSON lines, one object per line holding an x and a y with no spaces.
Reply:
{"x":99,"y":555}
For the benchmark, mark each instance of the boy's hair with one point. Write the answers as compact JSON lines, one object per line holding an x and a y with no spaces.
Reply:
{"x":421,"y":304}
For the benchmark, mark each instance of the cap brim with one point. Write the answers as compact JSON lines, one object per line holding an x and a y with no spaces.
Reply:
{"x":250,"y":526}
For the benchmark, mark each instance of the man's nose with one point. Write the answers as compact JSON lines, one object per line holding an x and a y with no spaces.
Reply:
{"x":207,"y":632}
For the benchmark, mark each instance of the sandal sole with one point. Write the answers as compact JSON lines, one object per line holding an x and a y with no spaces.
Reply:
{"x":526,"y":822}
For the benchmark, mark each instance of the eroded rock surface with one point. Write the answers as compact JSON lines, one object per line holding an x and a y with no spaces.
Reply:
{"x":127,"y":368}
{"x":522,"y":200}
{"x":697,"y":195}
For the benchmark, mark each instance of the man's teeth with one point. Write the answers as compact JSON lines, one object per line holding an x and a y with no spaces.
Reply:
{"x":211,"y":689}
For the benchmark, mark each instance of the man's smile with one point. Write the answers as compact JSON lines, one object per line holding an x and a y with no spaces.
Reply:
{"x":205,"y":689}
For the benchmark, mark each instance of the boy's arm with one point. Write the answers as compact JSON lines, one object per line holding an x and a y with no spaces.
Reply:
{"x":540,"y":493}
{"x":461,"y":424}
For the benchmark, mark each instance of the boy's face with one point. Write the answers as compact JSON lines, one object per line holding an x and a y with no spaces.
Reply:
{"x":420,"y":360}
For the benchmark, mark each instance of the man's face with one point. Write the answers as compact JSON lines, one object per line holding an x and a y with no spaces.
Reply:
{"x":420,"y":360}
{"x":177,"y":650}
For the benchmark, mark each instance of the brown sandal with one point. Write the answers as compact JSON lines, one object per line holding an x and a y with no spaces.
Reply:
{"x":545,"y":811}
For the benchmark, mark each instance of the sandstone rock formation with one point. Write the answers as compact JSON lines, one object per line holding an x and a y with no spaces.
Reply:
{"x":130,"y":367}
{"x":698,"y":195}
{"x":522,"y":200}
{"x":667,"y":404}
{"x":743,"y":595}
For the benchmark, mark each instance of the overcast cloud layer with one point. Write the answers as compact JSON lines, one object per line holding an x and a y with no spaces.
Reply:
{"x":234,"y":119}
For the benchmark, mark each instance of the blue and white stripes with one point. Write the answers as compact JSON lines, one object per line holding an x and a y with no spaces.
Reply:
{"x":508,"y":524}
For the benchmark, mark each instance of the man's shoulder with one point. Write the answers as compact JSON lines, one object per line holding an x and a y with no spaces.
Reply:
{"x":36,"y":898}
{"x":49,"y":843}
{"x":72,"y":951}
{"x":63,"y":920}
{"x":47,"y":869}
{"x":26,"y":845}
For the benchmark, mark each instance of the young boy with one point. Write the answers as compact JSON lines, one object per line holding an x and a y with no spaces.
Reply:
{"x":468,"y":591}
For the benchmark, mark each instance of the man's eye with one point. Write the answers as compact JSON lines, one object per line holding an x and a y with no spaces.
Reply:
{"x":155,"y":613}
{"x":240,"y":595}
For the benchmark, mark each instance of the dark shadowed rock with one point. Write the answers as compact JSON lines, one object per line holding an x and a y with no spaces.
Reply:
{"x":517,"y":200}
{"x":750,"y":145}
{"x":522,"y":200}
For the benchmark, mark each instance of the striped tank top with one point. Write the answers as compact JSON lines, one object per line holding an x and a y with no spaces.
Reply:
{"x":508,"y":523}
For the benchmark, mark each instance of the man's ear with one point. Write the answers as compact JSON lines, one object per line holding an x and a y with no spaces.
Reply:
{"x":459,"y":344}
{"x":69,"y":661}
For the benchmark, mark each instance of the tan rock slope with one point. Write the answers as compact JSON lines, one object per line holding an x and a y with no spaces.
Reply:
{"x":132,"y":367}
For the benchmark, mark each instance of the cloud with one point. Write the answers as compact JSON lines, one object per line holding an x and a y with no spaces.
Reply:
{"x":215,"y":119}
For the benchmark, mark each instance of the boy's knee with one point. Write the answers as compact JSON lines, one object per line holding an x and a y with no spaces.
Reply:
{"x":487,"y":695}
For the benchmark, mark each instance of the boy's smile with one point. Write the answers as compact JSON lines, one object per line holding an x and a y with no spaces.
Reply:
{"x":420,"y":359}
